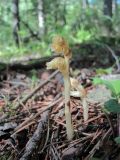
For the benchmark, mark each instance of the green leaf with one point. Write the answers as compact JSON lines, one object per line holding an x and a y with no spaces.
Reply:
{"x":100,"y":71}
{"x":110,"y":86}
{"x":97,"y":80}
{"x":112,"y":106}
{"x":116,"y":86}
{"x":117,"y":140}
{"x":113,"y":85}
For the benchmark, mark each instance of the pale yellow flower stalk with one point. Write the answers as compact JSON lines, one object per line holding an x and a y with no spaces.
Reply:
{"x":75,"y":84}
{"x":60,"y":46}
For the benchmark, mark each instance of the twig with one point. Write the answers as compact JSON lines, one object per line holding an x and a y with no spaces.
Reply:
{"x":24,"y":127}
{"x":72,"y":144}
{"x":114,"y":56}
{"x":92,"y":119}
{"x":110,"y":123}
{"x":53,"y":154}
{"x":96,"y":135}
{"x":56,"y":152}
{"x":92,"y":152}
{"x":106,"y":135}
{"x":24,"y":100}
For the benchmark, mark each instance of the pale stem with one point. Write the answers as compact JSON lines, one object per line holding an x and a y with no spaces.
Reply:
{"x":69,"y":126}
{"x":85,"y":109}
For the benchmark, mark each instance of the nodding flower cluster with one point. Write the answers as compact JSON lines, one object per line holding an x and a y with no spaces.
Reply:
{"x":57,"y":63}
{"x":60,"y":46}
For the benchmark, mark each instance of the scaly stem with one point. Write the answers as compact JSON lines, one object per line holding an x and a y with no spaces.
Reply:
{"x":69,"y":126}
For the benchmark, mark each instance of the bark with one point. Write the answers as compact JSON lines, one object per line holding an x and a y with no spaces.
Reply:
{"x":16,"y":21}
{"x":108,"y":8}
{"x":41,"y":19}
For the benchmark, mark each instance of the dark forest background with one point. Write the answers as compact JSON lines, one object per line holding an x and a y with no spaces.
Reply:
{"x":27,"y":26}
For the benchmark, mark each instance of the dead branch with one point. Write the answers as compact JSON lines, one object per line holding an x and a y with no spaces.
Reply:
{"x":35,"y":139}
{"x":115,"y":57}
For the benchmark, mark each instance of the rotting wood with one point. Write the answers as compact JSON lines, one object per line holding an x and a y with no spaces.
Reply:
{"x":25,"y":64}
{"x":34,"y":141}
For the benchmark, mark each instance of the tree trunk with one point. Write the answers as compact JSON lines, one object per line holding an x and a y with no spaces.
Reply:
{"x":64,"y":14}
{"x":115,"y":7}
{"x":56,"y":11}
{"x":85,"y":4}
{"x":41,"y":20}
{"x":108,"y":8}
{"x":16,"y":21}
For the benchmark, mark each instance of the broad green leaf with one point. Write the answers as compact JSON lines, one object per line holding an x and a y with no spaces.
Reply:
{"x":110,"y":86}
{"x":112,"y":105}
{"x":117,"y":140}
{"x":113,"y":85}
{"x":116,"y":86}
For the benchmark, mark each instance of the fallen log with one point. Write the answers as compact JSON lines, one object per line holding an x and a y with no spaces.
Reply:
{"x":25,"y":64}
{"x":84,"y":55}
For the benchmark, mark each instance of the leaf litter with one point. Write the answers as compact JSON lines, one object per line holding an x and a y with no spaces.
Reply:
{"x":32,"y":120}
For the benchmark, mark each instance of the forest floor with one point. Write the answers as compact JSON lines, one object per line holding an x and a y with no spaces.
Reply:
{"x":32,"y":120}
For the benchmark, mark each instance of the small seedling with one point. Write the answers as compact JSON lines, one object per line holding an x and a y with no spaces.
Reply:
{"x":60,"y":46}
